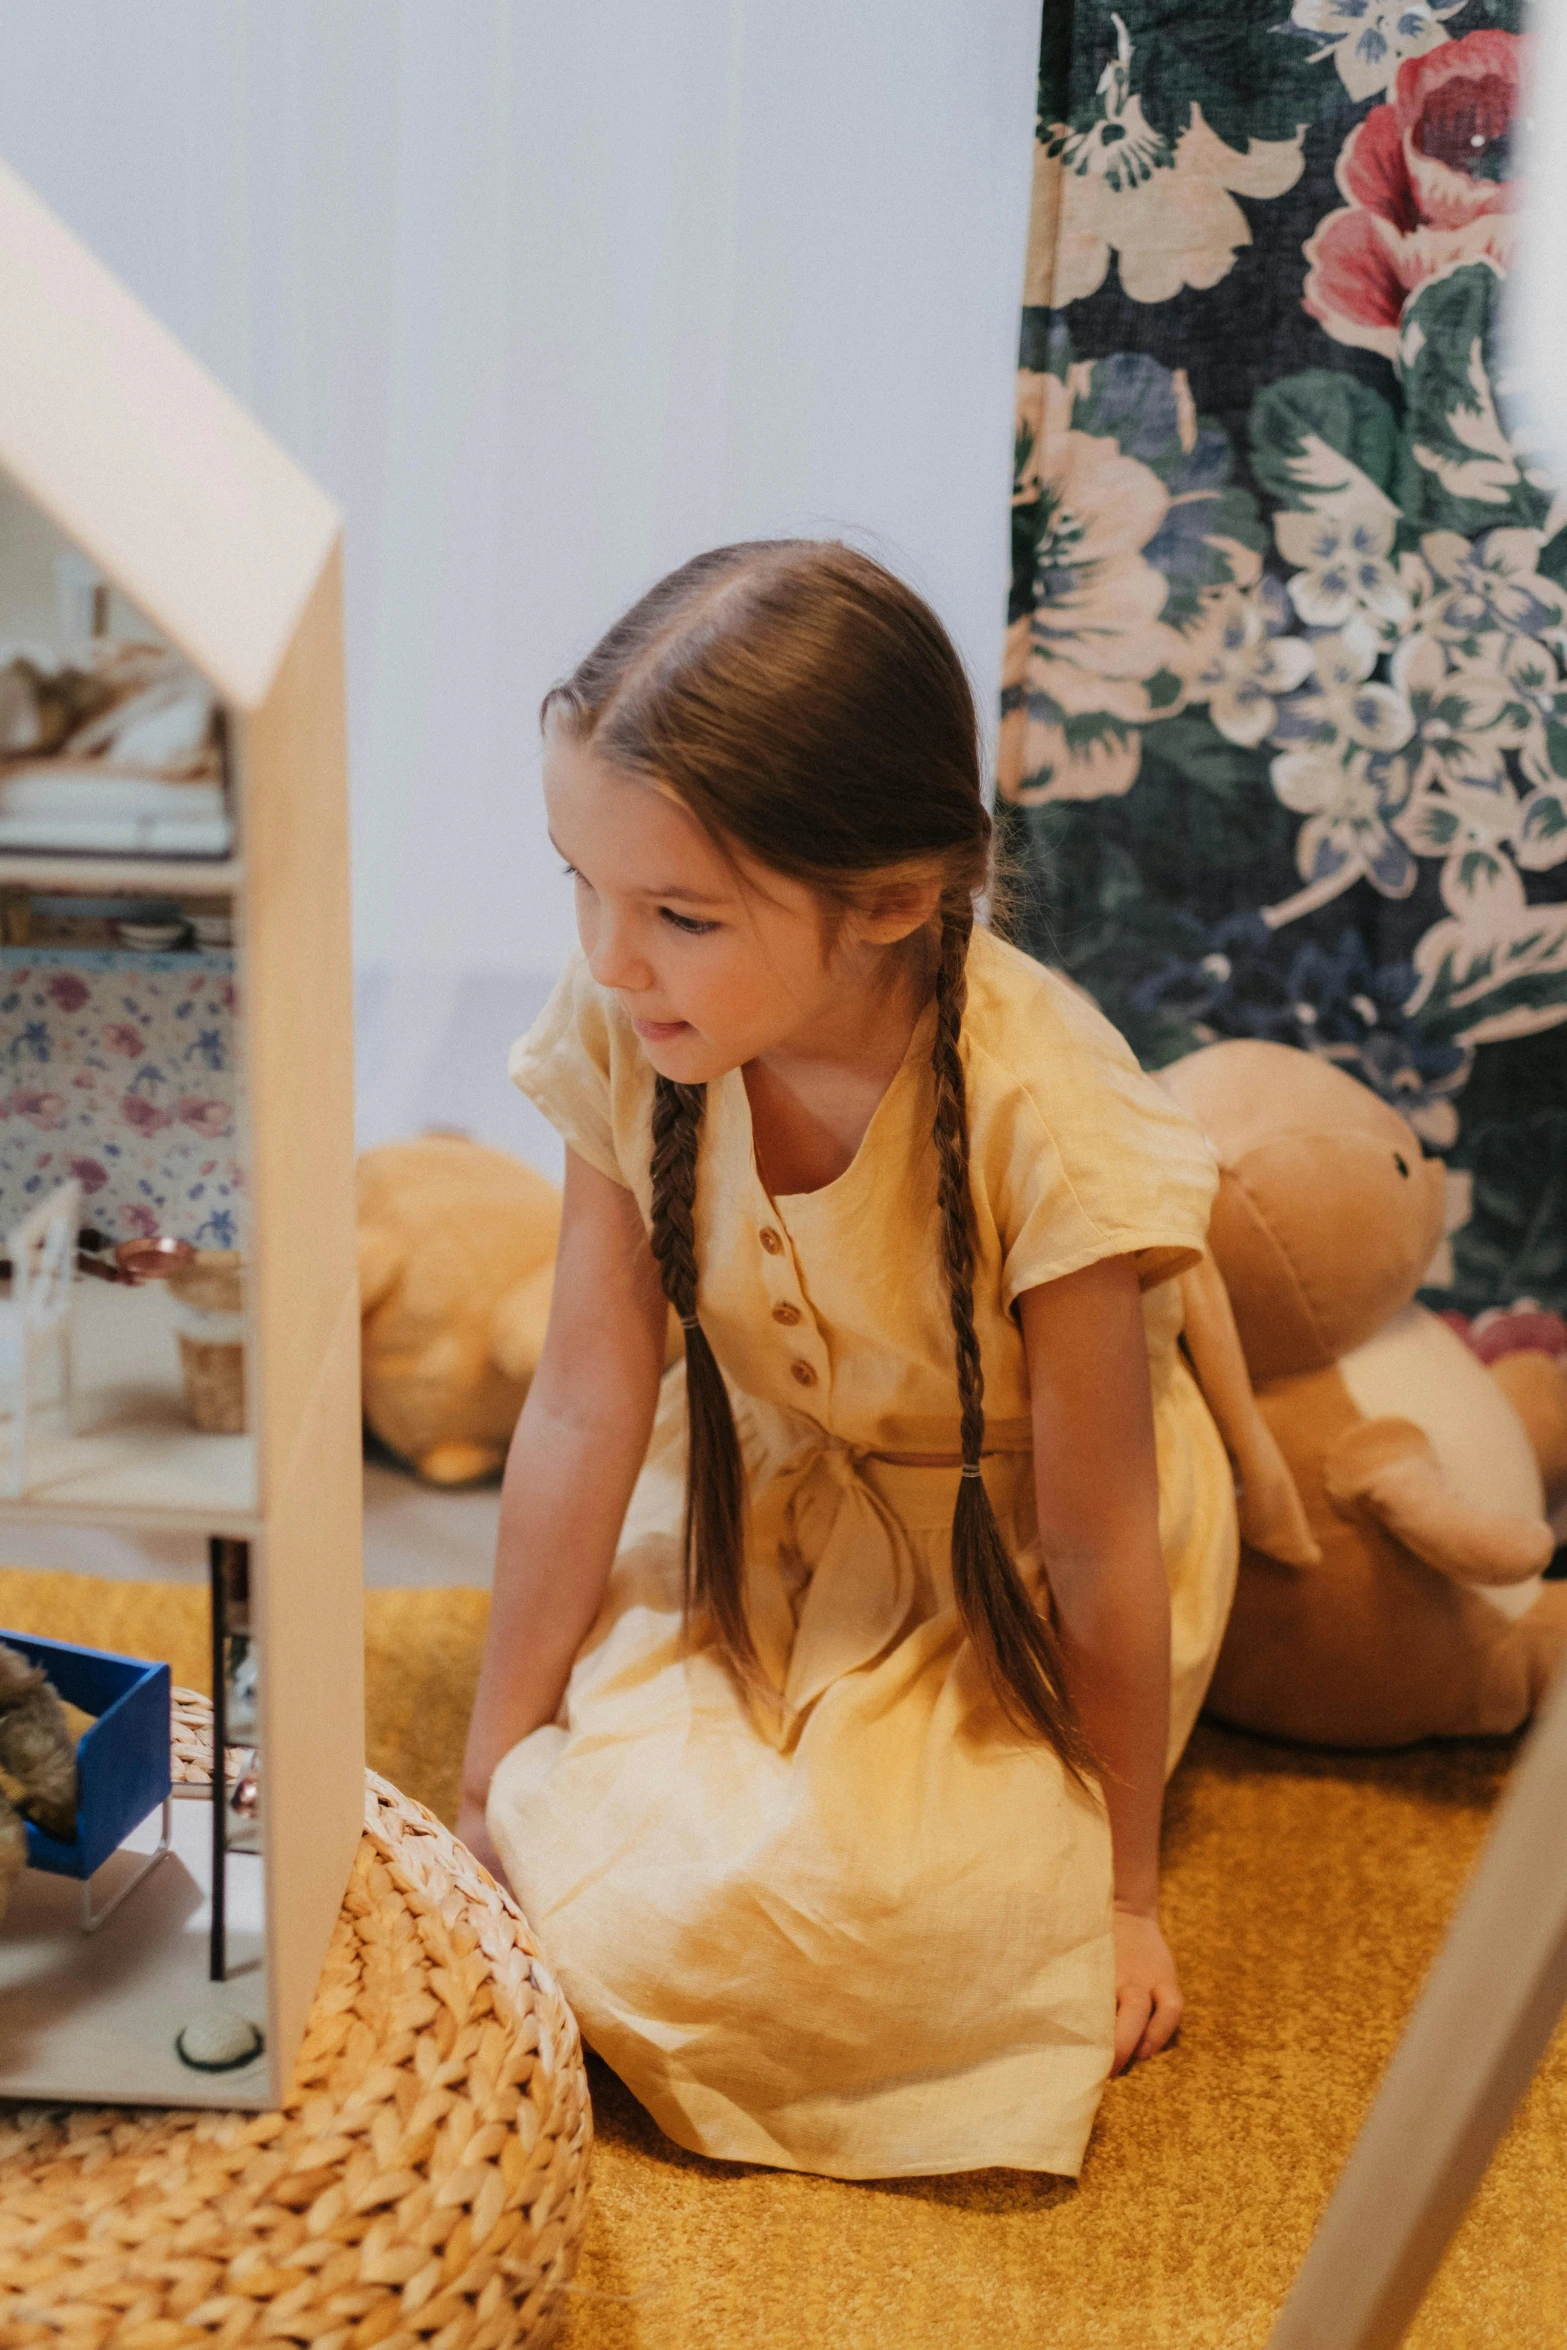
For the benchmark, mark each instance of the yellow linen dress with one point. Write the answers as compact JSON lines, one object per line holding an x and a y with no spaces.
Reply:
{"x":869,"y":1934}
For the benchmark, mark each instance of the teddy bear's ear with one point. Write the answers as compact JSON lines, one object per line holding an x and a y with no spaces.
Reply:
{"x":381,"y":1258}
{"x":518,"y":1322}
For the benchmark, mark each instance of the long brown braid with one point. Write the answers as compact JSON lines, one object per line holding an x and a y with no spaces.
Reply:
{"x":810,"y":710}
{"x":715,"y":1484}
{"x":1014,"y":1640}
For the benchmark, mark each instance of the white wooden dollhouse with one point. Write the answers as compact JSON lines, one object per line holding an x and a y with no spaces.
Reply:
{"x":175,"y":518}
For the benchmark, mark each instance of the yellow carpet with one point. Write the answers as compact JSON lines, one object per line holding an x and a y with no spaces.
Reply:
{"x":1305,"y":1897}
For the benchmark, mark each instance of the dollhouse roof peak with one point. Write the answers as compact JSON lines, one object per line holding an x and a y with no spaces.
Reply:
{"x":153,"y":469}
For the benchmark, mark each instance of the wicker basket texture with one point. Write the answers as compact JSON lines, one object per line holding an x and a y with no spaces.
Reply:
{"x":423,"y":2188}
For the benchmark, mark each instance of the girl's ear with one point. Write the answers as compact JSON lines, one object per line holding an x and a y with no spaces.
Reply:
{"x":895,"y":911}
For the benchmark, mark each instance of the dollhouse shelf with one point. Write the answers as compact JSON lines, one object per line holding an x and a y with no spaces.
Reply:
{"x":182,"y":877}
{"x":94,"y":2016}
{"x":135,"y":1459}
{"x":219,"y":961}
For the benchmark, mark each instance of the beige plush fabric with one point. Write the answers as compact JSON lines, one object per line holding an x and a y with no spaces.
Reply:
{"x":865,"y":1929}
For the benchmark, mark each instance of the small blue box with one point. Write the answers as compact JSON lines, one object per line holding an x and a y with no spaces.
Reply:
{"x":122,"y":1764}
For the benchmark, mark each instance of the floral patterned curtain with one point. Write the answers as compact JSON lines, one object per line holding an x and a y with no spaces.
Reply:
{"x":1284,"y":732}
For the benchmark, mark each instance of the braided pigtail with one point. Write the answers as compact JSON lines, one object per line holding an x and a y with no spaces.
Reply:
{"x":715,"y":1486}
{"x":1015,"y":1641}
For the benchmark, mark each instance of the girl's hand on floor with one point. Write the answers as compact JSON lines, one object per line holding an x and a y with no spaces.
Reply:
{"x":472,"y":1831}
{"x":1147,"y":1996}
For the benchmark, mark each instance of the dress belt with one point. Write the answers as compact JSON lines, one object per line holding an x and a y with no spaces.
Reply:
{"x":830,"y":1580}
{"x":935,"y":1460}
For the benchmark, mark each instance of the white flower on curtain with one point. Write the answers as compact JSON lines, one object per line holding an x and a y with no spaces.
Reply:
{"x":1368,"y":40}
{"x":1343,"y":706}
{"x":1346,"y":778}
{"x":1490,"y":587}
{"x":1345,"y":564}
{"x":1351,"y":801}
{"x":1470,"y":822}
{"x":1538,"y":707}
{"x":1541,"y":839}
{"x":1463,"y":716}
{"x":1250,"y":664}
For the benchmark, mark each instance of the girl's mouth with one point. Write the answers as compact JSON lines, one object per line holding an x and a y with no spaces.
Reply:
{"x":660,"y":1031}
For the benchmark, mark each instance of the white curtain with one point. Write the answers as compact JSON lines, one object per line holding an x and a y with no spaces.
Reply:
{"x":548,"y":297}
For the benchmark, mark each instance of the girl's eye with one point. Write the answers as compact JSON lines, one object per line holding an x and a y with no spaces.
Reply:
{"x":571,"y":872}
{"x":687,"y":922}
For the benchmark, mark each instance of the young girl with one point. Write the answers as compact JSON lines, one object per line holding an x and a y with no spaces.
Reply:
{"x":832,"y":1681}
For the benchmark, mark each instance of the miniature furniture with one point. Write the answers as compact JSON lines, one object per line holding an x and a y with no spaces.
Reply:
{"x":35,"y":1320}
{"x":122,"y":1763}
{"x":427,"y":2178}
{"x":187,"y":516}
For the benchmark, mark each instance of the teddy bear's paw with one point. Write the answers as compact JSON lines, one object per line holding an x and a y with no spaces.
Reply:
{"x":459,"y":1464}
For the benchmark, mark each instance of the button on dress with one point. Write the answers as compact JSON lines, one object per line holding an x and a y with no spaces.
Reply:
{"x":861,"y":1927}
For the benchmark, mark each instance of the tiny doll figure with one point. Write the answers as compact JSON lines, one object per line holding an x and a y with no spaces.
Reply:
{"x":832,"y":1682}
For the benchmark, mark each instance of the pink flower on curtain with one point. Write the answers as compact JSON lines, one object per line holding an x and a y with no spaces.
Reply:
{"x":143,"y":1115}
{"x":212,"y":1118}
{"x":1426,"y":181}
{"x":89,"y":1174}
{"x":67,"y":990}
{"x":121,"y":1037}
{"x":40,"y":1108}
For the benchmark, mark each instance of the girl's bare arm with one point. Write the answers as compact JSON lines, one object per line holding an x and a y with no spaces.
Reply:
{"x":573,"y":1461}
{"x":1098,"y":1491}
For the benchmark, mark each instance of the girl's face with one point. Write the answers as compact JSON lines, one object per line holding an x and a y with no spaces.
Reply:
{"x":716,"y":961}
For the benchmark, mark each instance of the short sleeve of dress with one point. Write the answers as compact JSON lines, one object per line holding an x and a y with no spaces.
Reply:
{"x":1082,"y":1155}
{"x":563,"y":1065}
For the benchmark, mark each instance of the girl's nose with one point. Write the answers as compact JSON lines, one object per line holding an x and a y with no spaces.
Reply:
{"x":614,"y":962}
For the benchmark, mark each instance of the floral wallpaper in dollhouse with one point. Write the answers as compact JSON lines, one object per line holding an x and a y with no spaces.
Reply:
{"x":120,"y":1070}
{"x":1284,"y":733}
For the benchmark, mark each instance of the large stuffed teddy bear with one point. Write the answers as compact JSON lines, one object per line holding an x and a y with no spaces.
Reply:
{"x":456,"y":1268}
{"x":1393,"y":1489}
{"x":456,"y":1264}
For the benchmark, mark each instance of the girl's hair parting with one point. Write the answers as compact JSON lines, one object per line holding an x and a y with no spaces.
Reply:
{"x":810,"y":710}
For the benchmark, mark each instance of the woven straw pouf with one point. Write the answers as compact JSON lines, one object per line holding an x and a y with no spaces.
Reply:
{"x":422,"y":2189}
